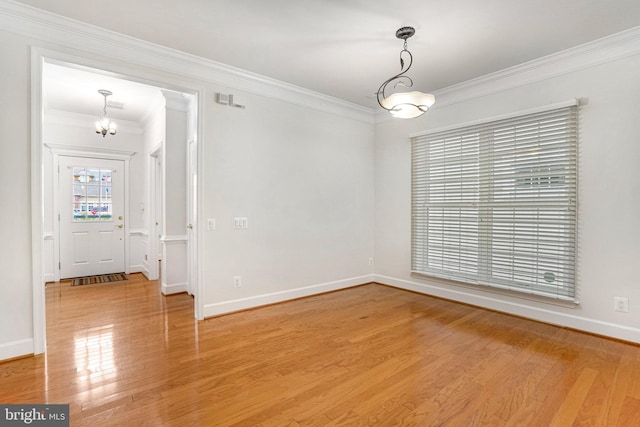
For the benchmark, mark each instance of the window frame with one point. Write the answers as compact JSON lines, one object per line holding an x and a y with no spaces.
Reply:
{"x":549,"y":187}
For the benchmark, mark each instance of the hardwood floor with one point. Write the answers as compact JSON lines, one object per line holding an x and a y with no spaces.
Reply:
{"x":122,"y":354}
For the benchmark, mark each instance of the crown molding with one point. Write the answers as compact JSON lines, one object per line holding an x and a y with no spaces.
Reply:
{"x":587,"y":55}
{"x":176,"y":101}
{"x":55,"y":31}
{"x":97,"y":152}
{"x":87,"y":121}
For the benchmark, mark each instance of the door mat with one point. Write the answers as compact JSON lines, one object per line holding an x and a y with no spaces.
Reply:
{"x":102,"y":278}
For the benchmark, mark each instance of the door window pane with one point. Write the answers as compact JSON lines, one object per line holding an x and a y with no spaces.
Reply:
{"x":92,"y":198}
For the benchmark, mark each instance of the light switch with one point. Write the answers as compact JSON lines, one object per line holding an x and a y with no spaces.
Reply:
{"x":211,"y":223}
{"x":240,"y":223}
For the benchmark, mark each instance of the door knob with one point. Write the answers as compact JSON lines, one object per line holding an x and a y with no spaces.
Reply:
{"x":190,"y":227}
{"x":119,"y":226}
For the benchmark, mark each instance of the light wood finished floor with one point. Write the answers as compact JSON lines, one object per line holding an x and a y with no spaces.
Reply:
{"x":123,"y":355}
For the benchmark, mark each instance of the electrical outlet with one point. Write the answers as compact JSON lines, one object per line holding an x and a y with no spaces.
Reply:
{"x":371,"y":261}
{"x":621,"y":304}
{"x":237,"y":281}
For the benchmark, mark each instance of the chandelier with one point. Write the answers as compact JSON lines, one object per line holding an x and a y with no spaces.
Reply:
{"x":405,"y":105}
{"x":104,"y":124}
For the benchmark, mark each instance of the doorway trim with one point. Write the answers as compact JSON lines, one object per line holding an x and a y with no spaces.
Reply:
{"x":141,"y":74}
{"x":156,"y":209}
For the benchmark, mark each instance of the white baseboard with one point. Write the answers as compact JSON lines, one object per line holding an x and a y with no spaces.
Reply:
{"x":137,"y":269}
{"x":51,"y":277}
{"x":144,"y":270}
{"x":147,"y":274}
{"x":225,"y":307}
{"x":13,"y":349}
{"x":174,"y":288}
{"x":567,"y":320}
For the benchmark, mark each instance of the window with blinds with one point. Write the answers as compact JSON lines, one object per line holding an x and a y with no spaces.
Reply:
{"x":495,"y":203}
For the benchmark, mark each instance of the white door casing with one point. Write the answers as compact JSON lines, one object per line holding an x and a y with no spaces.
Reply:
{"x":91,"y":216}
{"x":192,"y":208}
{"x":155,"y":216}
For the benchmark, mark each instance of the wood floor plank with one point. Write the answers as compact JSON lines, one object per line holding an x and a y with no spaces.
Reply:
{"x":574,"y":400}
{"x":629,"y":414}
{"x":124,"y":354}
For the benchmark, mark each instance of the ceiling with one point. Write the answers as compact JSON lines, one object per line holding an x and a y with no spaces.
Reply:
{"x":76,"y":90}
{"x":346,"y":48}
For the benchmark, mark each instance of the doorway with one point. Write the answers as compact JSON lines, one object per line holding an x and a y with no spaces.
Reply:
{"x":89,"y":217}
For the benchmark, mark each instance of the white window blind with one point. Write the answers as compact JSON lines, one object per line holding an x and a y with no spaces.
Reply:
{"x":495,"y":203}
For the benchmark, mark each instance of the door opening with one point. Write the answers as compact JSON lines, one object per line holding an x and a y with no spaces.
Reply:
{"x":92,"y":210}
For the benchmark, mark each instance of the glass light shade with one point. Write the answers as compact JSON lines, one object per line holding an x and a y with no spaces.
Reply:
{"x":104,"y":126}
{"x":408,"y":105}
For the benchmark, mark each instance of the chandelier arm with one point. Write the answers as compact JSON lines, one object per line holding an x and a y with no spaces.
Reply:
{"x":399,"y":76}
{"x":402,"y":60}
{"x":408,"y":83}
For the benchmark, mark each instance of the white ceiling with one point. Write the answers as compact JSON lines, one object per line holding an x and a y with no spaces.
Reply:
{"x":76,"y":91}
{"x":346,"y":48}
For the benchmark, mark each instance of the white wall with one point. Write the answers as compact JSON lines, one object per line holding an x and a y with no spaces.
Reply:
{"x":174,"y":227}
{"x":304,"y":180}
{"x":609,"y":200}
{"x":16,"y":328}
{"x":50,"y":264}
{"x":154,"y":135}
{"x":299,"y":165}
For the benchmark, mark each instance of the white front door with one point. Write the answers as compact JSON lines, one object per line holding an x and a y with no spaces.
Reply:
{"x":91,"y":207}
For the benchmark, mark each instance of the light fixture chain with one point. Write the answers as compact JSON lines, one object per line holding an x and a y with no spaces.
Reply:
{"x":104,"y":124}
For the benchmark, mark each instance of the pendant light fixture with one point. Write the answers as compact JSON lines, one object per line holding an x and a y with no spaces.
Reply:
{"x":405,"y":105}
{"x":104,"y":124}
